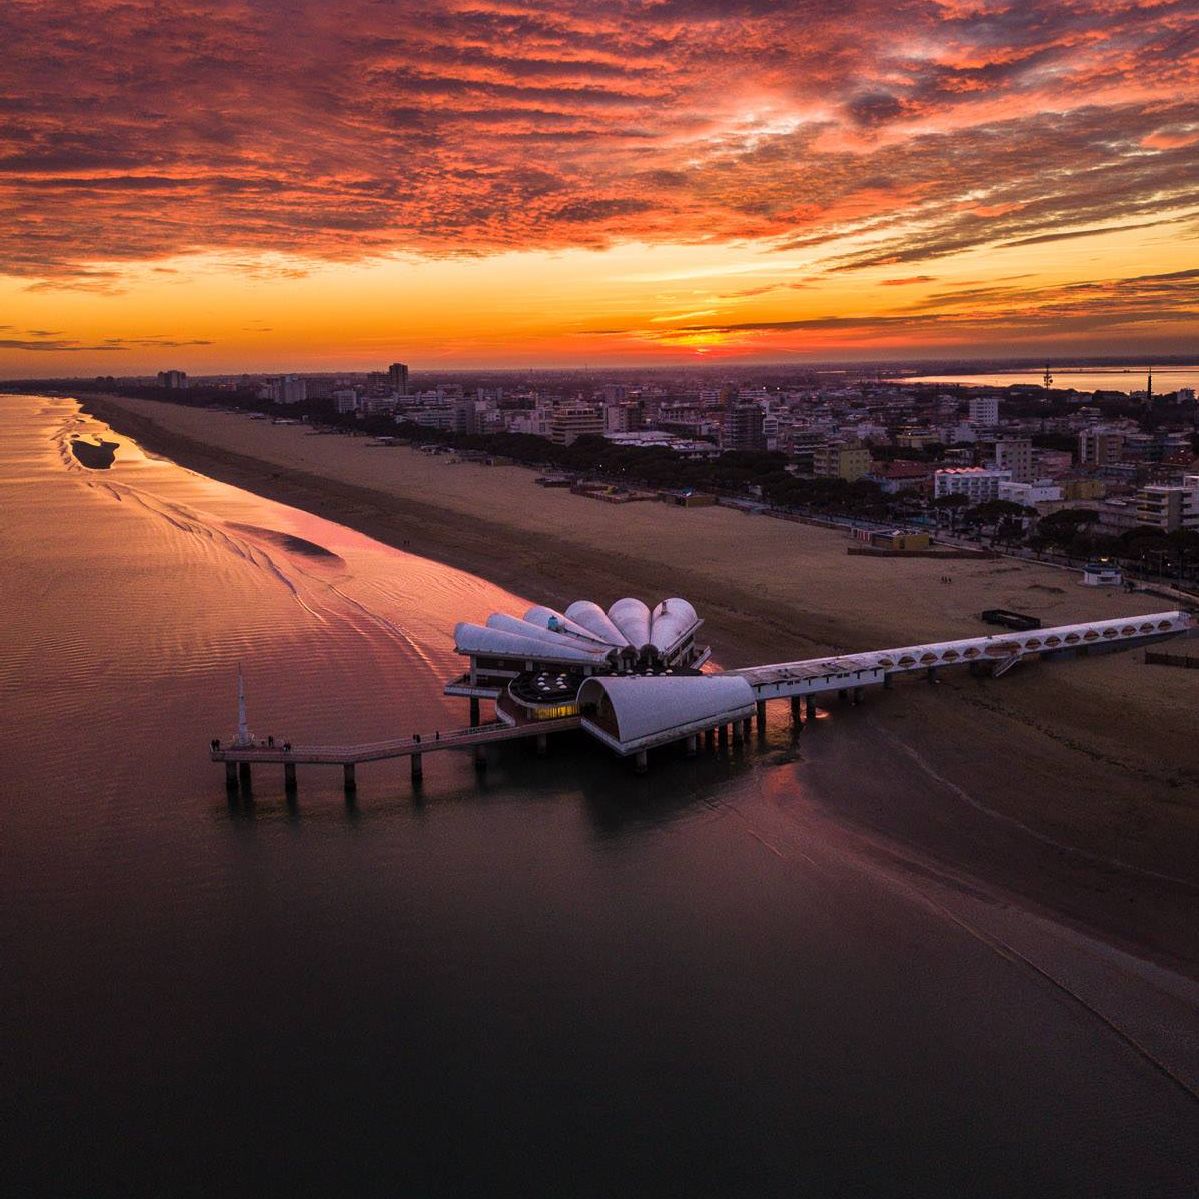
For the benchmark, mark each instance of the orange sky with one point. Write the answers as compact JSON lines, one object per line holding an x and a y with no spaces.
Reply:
{"x":332,"y":184}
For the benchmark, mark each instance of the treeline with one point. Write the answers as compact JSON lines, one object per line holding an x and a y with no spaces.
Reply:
{"x":1076,"y":532}
{"x":757,"y":474}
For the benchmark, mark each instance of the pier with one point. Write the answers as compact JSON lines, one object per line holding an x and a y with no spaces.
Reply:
{"x":574,"y":685}
{"x":240,"y":758}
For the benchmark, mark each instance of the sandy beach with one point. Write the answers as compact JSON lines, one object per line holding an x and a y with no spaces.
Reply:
{"x":1087,"y":770}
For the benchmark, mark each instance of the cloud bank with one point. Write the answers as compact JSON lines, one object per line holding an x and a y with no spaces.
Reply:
{"x":132,"y":130}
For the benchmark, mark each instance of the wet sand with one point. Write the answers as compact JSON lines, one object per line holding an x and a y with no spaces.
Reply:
{"x":1074,"y":786}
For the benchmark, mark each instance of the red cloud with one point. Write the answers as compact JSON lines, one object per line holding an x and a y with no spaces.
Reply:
{"x":342,"y":129}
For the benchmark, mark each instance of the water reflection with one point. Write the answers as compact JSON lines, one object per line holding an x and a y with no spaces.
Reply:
{"x":552,"y":978}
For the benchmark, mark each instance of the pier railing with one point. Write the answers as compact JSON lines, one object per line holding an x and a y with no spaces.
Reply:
{"x":399,"y":747}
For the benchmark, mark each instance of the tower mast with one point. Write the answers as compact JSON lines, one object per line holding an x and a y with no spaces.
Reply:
{"x":243,"y":731}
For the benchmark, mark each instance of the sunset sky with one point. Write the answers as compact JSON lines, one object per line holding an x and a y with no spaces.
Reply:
{"x":332,"y":184}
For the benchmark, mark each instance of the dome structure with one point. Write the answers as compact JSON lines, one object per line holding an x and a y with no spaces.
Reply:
{"x":629,"y":637}
{"x":633,"y":714}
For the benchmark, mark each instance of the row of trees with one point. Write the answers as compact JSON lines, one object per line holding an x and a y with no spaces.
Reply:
{"x":1074,"y":533}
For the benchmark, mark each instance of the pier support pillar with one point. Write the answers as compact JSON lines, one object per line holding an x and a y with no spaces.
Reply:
{"x":480,"y":756}
{"x":843,"y":695}
{"x":810,"y":707}
{"x":887,"y":682}
{"x":747,"y":727}
{"x":796,"y":709}
{"x":737,"y":732}
{"x":710,"y":739}
{"x":641,"y":762}
{"x":692,"y":745}
{"x":932,"y":674}
{"x":231,"y":776}
{"x":351,"y":783}
{"x":724,"y":736}
{"x":761,"y":717}
{"x":543,"y":744}
{"x":474,"y":711}
{"x":243,"y":774}
{"x":859,"y":695}
{"x":418,"y":768}
{"x":289,"y":777}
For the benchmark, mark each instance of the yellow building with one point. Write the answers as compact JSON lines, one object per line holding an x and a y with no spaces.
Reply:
{"x":1083,"y":489}
{"x":840,"y":462}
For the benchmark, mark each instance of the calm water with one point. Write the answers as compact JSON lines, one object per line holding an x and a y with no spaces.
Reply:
{"x":1165,"y":378}
{"x":558,"y":980}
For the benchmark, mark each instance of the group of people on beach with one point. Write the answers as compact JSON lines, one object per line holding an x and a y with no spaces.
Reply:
{"x":946,"y":579}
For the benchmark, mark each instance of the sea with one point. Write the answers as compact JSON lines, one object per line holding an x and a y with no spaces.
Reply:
{"x":1112,"y":378}
{"x":551,"y":978}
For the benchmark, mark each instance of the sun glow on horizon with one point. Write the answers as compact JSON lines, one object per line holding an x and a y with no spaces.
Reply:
{"x":624,"y":186}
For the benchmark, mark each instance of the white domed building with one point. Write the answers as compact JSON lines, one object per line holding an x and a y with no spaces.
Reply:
{"x":550,"y":666}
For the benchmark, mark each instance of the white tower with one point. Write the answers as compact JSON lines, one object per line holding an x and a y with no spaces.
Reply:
{"x":243,"y":732}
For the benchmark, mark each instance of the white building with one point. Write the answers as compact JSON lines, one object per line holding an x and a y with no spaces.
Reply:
{"x":288,"y":389}
{"x":346,"y":399}
{"x":1102,"y":573}
{"x":976,"y":483}
{"x":378,"y":405}
{"x":442,"y":418}
{"x":984,"y":410}
{"x":534,"y":422}
{"x":1043,"y":491}
{"x":1169,"y":508}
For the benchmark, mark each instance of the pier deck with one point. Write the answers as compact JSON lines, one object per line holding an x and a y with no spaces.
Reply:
{"x":400,"y":747}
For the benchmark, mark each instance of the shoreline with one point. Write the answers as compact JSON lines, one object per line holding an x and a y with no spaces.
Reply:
{"x":1084,"y":758}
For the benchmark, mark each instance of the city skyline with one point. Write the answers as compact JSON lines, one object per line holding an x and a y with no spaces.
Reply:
{"x":500,"y":184}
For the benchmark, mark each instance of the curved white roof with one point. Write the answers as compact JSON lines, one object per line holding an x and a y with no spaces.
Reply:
{"x":592,"y":617}
{"x":653,"y":709}
{"x":672,"y":620}
{"x":632,"y":617}
{"x":503,"y":643}
{"x":584,"y":632}
{"x":558,"y":622}
{"x":526,"y":628}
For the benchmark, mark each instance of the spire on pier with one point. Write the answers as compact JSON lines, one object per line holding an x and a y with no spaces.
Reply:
{"x":243,"y":731}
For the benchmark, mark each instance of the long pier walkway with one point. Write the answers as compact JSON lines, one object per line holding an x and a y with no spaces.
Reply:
{"x":239,"y":758}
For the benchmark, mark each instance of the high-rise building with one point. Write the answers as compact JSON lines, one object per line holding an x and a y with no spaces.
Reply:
{"x":569,"y":422}
{"x":743,"y":428}
{"x":984,"y":410}
{"x":466,"y":417}
{"x":1169,"y":508}
{"x":397,"y":376}
{"x":288,"y":389}
{"x":175,"y":380}
{"x":1100,"y":447}
{"x":624,"y":418}
{"x":1015,"y":454}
